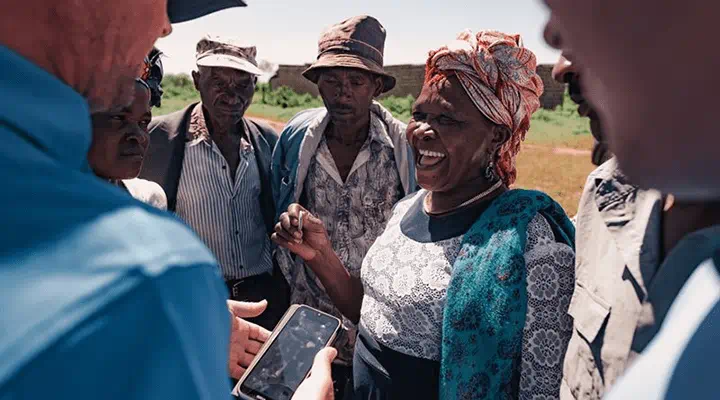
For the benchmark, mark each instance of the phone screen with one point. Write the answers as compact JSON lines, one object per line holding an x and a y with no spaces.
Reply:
{"x":287,"y":361}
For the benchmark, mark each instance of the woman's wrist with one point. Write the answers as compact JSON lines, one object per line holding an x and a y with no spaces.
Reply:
{"x":326,"y":265}
{"x":323,"y":256}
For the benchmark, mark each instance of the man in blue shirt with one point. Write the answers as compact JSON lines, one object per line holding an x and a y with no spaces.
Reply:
{"x":101,"y":296}
{"x":650,"y":72}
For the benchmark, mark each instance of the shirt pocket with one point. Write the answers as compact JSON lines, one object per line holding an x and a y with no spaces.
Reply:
{"x":285,"y":175}
{"x":589,"y":312}
{"x":285,"y":181}
{"x":286,"y":189}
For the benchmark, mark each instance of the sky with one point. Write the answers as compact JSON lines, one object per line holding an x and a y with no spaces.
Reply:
{"x":286,"y":31}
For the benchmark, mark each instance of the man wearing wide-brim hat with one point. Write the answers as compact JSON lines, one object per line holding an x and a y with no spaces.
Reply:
{"x":214,"y":165}
{"x":346,"y":164}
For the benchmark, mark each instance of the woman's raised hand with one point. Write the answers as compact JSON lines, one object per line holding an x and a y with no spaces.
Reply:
{"x":307,"y":239}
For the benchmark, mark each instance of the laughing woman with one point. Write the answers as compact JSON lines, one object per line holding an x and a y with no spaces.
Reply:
{"x":466,"y":292}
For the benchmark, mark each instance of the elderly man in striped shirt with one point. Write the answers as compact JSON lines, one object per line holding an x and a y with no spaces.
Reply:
{"x":214,"y":166}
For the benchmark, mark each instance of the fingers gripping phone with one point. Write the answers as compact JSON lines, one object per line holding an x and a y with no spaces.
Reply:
{"x":287,"y":357}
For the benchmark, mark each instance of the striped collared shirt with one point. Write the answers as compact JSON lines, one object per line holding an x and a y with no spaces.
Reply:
{"x":226,"y":214}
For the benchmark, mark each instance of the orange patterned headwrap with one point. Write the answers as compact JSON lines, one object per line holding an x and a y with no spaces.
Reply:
{"x":499,"y":76}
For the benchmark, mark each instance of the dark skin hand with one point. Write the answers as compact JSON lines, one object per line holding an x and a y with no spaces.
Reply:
{"x":226,"y":94}
{"x":312,"y":244}
{"x":347,"y":94}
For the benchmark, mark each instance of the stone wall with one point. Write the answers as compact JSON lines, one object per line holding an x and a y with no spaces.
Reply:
{"x":409,"y":82}
{"x":291,"y":76}
{"x":409,"y":79}
{"x":554,"y":91}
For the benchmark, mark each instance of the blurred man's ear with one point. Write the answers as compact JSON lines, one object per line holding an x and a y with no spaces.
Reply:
{"x":196,"y":79}
{"x":379,"y":86}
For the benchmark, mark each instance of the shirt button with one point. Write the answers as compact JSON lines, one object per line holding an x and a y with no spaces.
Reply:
{"x":237,"y":232}
{"x":224,"y":166}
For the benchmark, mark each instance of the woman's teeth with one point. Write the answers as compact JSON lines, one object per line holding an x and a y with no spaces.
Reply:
{"x":429,"y":153}
{"x":429,"y":158}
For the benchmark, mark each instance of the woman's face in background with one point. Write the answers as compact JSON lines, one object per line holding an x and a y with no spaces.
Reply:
{"x":120,"y":138}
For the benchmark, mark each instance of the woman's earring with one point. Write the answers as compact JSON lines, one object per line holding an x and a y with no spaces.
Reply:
{"x":490,"y":171}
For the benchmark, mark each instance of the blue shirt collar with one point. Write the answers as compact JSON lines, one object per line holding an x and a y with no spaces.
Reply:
{"x":43,"y":111}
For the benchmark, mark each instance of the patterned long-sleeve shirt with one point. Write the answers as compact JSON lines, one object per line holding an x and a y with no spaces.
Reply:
{"x":354,"y":212}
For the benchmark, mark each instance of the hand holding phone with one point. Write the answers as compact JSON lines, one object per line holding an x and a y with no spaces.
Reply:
{"x":287,"y":356}
{"x":246,"y":338}
{"x":319,"y":385}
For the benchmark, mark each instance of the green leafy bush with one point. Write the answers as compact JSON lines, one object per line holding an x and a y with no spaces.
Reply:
{"x":284,"y":97}
{"x":400,"y":107}
{"x":178,"y":86}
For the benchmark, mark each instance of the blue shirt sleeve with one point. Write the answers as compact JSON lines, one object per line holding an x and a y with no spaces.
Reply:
{"x":677,"y":363}
{"x":695,"y":376}
{"x":168,"y":337}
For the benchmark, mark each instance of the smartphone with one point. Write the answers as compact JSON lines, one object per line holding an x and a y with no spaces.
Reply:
{"x":287,"y":356}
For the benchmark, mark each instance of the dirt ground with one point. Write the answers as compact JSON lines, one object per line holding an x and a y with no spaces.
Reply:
{"x":278,"y":126}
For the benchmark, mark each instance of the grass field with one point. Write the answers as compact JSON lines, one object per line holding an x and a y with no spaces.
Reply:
{"x":555,"y":160}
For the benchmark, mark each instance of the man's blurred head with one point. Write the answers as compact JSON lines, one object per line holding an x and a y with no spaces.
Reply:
{"x":649,"y":68}
{"x":97,"y":47}
{"x":565,"y":72}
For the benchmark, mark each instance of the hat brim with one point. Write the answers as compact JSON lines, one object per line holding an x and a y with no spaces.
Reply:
{"x":228,"y":61}
{"x":186,"y":10}
{"x":348,"y":61}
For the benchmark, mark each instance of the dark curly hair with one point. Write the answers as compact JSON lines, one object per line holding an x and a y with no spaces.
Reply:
{"x":155,"y":77}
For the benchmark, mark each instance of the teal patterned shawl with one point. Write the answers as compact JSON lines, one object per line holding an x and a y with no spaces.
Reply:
{"x":487,"y":298}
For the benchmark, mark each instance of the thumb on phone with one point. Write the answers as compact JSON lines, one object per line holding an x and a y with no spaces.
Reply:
{"x":323,"y":360}
{"x":319,"y":386}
